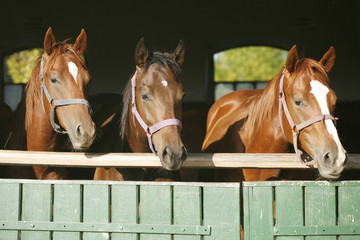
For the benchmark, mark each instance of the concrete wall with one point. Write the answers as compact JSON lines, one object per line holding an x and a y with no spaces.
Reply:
{"x":115,"y":27}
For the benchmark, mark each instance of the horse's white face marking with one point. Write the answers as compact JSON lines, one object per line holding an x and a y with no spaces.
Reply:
{"x":73,"y":70}
{"x":164,"y":83}
{"x":320,"y":92}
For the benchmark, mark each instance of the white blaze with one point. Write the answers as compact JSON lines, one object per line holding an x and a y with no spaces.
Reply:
{"x":73,"y":70}
{"x":320,"y":92}
{"x":164,"y":83}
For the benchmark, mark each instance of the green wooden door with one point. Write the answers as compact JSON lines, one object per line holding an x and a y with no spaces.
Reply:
{"x":87,"y":210}
{"x":302,"y":210}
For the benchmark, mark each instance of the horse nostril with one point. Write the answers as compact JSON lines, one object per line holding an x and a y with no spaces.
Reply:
{"x":165,"y":152}
{"x":328,"y":158}
{"x":79,"y":131}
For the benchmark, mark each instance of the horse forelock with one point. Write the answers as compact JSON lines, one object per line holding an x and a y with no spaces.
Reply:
{"x":33,"y":87}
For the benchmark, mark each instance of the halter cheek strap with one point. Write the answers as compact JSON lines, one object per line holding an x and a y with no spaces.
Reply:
{"x":56,"y":103}
{"x":296,"y":128}
{"x":154,"y":128}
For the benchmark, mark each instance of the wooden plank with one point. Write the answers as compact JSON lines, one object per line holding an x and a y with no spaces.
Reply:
{"x":96,"y":208}
{"x":155,"y":208}
{"x":9,"y":207}
{"x":67,"y":208}
{"x":349,"y":209}
{"x":203,"y":160}
{"x":289,"y":209}
{"x":36,"y":206}
{"x":187,"y":208}
{"x":221,"y":209}
{"x":320,"y":208}
{"x":124,"y":208}
{"x":261,"y":213}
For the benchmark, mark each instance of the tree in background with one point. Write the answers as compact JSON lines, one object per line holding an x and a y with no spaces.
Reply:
{"x":19,"y":65}
{"x":253,"y":63}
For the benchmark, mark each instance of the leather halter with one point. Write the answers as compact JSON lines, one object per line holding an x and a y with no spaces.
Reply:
{"x":154,"y":128}
{"x":55,"y":103}
{"x":296,"y":128}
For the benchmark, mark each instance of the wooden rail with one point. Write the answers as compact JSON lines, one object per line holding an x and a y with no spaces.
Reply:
{"x":194,"y":160}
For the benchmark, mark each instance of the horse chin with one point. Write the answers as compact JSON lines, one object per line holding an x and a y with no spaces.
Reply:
{"x":172,"y":167}
{"x":329,"y":175}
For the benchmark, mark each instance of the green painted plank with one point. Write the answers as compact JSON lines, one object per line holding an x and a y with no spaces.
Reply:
{"x":221,"y":209}
{"x":349,"y":209}
{"x":289,"y":208}
{"x":187,"y":208}
{"x":36,"y":206}
{"x":67,"y":208}
{"x":96,"y":208}
{"x":9,"y":207}
{"x":124,"y":209}
{"x":246,"y":194}
{"x":320,"y":208}
{"x":261,"y":213}
{"x":155,"y":208}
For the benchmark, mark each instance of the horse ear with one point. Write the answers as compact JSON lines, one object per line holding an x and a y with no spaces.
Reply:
{"x":80,"y":43}
{"x":49,"y":41}
{"x":141,"y":53}
{"x":179,"y":53}
{"x":327,"y":61}
{"x":292,"y":59}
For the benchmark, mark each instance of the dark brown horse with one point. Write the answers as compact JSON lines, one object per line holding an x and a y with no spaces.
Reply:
{"x":250,"y":120}
{"x":150,"y":116}
{"x":54,"y":108}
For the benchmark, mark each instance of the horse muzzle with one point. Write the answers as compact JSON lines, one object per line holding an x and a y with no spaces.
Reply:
{"x":331,"y":165}
{"x":82,"y":136}
{"x":172,"y":159}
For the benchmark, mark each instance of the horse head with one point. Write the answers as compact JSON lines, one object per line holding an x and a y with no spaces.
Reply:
{"x":157,"y":96}
{"x":64,"y":79}
{"x":311,"y":104}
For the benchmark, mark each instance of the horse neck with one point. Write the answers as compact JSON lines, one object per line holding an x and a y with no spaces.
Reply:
{"x":264,"y":115}
{"x":40,"y":134}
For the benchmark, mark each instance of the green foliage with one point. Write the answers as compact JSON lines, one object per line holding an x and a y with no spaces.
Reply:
{"x":253,"y":63}
{"x":19,"y":65}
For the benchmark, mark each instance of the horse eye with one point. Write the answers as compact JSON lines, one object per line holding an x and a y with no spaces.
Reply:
{"x":299,"y":103}
{"x":53,"y":80}
{"x":145,"y":97}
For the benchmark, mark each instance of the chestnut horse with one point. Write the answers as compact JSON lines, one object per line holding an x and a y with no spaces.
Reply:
{"x":257,"y":121}
{"x":150,"y":116}
{"x":54,"y":107}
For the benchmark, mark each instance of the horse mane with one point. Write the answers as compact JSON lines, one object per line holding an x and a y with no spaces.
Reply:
{"x":264,"y":106}
{"x":32,"y":90}
{"x":163,"y":59}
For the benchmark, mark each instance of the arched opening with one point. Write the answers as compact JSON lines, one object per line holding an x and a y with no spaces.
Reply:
{"x":248,"y":67}
{"x":18,"y":67}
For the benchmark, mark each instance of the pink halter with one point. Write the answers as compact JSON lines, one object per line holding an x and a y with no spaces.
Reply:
{"x":156,"y":127}
{"x":296,"y":128}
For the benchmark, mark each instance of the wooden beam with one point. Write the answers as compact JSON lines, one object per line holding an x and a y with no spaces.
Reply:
{"x":194,"y":160}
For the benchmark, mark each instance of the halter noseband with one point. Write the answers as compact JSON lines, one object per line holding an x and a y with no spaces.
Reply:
{"x":55,"y":103}
{"x":296,"y":128}
{"x":154,"y":128}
